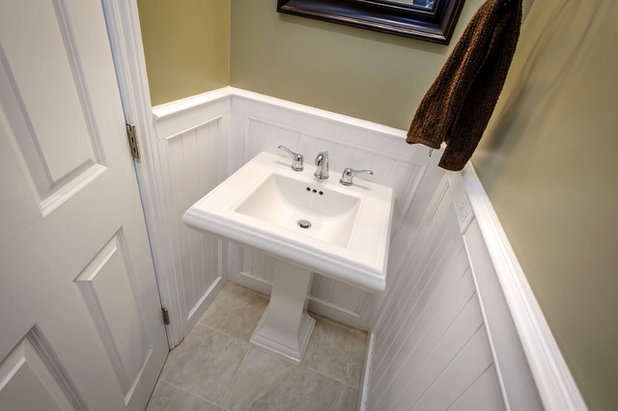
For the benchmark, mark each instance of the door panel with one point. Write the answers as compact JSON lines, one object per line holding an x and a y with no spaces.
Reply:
{"x":75,"y":264}
{"x":107,"y":288}
{"x":62,"y":149}
{"x":31,"y":365}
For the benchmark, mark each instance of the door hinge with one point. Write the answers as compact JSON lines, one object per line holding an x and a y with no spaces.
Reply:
{"x":166,"y":315}
{"x":132,"y":135}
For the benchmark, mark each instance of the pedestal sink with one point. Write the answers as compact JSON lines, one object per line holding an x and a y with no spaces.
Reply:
{"x":310,"y":226}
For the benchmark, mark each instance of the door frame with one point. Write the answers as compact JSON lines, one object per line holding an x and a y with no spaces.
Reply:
{"x":123,"y":28}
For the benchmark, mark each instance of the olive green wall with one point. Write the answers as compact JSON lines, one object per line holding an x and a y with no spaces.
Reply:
{"x":374,"y":76}
{"x":549,"y":163}
{"x":187,"y":46}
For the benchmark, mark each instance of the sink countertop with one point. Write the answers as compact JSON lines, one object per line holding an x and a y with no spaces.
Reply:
{"x":359,"y":258}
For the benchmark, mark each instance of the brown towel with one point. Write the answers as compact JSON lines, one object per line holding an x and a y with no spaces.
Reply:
{"x":457,"y":107}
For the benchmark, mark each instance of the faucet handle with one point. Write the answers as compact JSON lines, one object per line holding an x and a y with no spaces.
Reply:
{"x":348,"y":174}
{"x":297,"y":159}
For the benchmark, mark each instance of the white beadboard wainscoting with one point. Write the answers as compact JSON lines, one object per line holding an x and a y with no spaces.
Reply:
{"x":190,"y":146}
{"x":461,"y":328}
{"x":432,"y":348}
{"x":457,"y":326}
{"x":198,"y":152}
{"x":262,"y":123}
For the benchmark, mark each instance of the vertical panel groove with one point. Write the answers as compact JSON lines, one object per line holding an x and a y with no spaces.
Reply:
{"x":412,"y":323}
{"x":429,"y":322}
{"x":186,"y":232}
{"x":461,"y":350}
{"x":193,"y":163}
{"x":469,"y":385}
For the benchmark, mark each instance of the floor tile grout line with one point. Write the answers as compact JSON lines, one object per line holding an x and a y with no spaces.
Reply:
{"x":235,"y":374}
{"x":254,"y":296}
{"x":293,"y":363}
{"x":191,"y":393}
{"x":340,"y":395}
{"x":339,"y":324}
{"x":347,"y":328}
{"x":241,"y":363}
{"x":226,"y":334}
{"x":244,"y":289}
{"x":244,"y":305}
{"x":275,"y":355}
{"x":329,"y":376}
{"x":235,"y":377}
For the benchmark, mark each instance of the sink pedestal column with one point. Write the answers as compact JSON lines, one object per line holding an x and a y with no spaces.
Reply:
{"x":285,"y":327}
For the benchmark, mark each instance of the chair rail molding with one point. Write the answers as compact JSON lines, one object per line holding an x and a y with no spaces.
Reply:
{"x":552,"y":376}
{"x":229,"y":124}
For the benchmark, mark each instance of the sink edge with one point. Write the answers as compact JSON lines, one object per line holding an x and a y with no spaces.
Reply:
{"x":360,"y":275}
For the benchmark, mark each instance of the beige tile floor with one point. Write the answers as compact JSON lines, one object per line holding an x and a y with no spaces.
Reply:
{"x":216,"y":368}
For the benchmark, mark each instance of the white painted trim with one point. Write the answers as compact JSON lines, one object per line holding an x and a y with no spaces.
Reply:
{"x":209,"y":295}
{"x":363,"y":397}
{"x":553,"y":378}
{"x":123,"y":28}
{"x":319,"y":113}
{"x":179,"y":106}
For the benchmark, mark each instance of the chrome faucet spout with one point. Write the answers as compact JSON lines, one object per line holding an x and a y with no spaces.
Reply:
{"x":321,"y":161}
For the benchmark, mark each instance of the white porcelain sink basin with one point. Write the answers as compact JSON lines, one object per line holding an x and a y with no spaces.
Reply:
{"x":283,"y":201}
{"x":261,"y":204}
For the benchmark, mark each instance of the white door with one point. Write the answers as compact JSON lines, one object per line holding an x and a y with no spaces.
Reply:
{"x":80,"y":319}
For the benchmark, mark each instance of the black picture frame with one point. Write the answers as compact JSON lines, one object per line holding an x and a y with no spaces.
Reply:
{"x":434,"y":24}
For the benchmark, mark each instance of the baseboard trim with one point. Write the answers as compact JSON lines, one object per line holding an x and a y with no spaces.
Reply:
{"x":553,"y":379}
{"x":206,"y":299}
{"x":364,"y":393}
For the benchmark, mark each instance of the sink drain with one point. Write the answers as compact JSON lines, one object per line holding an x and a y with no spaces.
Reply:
{"x":304,"y":223}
